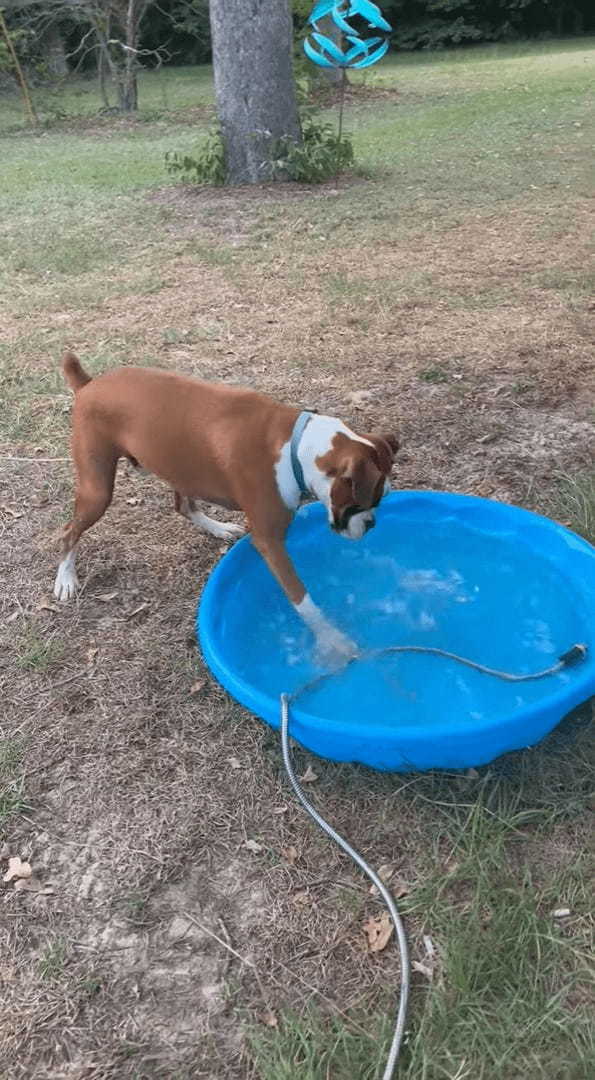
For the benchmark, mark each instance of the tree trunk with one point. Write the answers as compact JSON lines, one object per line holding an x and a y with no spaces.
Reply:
{"x":254,"y":84}
{"x":55,"y":53}
{"x":127,"y":87}
{"x":127,"y":90}
{"x":102,"y":64}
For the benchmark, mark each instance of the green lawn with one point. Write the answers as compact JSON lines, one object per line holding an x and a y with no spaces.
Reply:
{"x":450,"y":279}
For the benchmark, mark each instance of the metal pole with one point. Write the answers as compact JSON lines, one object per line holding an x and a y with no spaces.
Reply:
{"x":342,"y":101}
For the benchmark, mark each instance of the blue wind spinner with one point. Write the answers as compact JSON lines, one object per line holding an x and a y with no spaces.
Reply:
{"x":360,"y":53}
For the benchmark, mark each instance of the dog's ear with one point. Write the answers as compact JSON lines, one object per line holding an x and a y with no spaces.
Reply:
{"x":364,"y":474}
{"x":386,"y":447}
{"x":392,"y":441}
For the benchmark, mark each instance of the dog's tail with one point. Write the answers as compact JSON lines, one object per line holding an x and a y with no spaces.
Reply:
{"x":75,"y":375}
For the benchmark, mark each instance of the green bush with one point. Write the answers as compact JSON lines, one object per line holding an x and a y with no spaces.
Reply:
{"x":438,"y":33}
{"x":206,"y":167}
{"x":321,"y":156}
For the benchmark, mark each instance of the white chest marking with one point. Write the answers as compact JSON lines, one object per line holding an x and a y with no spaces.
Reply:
{"x":286,"y":481}
{"x":316,"y":441}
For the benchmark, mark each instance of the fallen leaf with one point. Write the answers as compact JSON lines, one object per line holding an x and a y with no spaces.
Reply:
{"x":11,"y":618}
{"x":46,"y":606}
{"x":309,"y":776}
{"x":561,"y":913}
{"x":291,"y":854}
{"x":254,"y":846}
{"x":379,"y":930}
{"x":17,"y":869}
{"x":107,"y":596}
{"x":197,"y":686}
{"x":472,"y":774}
{"x":280,"y":810}
{"x":268,"y":1017}
{"x":234,"y":762}
{"x":33,"y":884}
{"x":424,"y":969}
{"x":134,"y":501}
{"x":398,"y":887}
{"x":13,"y":513}
{"x":5,"y":852}
{"x":92,"y":655}
{"x":302,"y":898}
{"x":385,"y":873}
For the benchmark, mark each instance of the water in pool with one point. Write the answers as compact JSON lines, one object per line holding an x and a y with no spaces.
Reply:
{"x":442,"y":584}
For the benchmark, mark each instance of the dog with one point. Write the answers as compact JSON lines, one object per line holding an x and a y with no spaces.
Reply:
{"x":229,"y":446}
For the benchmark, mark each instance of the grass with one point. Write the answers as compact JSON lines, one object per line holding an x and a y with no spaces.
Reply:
{"x":499,"y":1009}
{"x":37,"y":653}
{"x":448,"y":278}
{"x":575,"y":503}
{"x":511,"y":980}
{"x":53,"y":958}
{"x":12,"y":799}
{"x":160,"y":93}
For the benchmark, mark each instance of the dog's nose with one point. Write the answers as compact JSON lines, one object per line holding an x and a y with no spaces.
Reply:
{"x":369,"y":524}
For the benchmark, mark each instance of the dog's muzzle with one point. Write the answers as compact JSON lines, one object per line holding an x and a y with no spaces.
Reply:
{"x":354,"y":523}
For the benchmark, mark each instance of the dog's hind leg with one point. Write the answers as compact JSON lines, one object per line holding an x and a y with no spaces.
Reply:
{"x":223,"y":530}
{"x":95,"y":465}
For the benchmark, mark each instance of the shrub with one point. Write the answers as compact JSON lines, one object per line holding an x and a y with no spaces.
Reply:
{"x":321,"y":156}
{"x":207,"y":166}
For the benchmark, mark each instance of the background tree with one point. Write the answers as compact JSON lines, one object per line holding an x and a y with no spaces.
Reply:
{"x":10,"y":62}
{"x":110,"y":30}
{"x":118,"y":37}
{"x":117,"y":28}
{"x":254,"y":83}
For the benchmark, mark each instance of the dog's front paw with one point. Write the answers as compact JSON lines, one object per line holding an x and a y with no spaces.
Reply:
{"x":66,"y":585}
{"x":333,"y":648}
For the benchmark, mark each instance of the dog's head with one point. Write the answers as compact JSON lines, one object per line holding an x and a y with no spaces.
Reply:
{"x":358,"y":472}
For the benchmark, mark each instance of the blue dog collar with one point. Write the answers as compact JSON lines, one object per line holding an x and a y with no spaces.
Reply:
{"x":300,"y":426}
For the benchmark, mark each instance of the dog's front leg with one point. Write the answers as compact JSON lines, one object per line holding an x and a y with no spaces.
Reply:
{"x":332,"y":645}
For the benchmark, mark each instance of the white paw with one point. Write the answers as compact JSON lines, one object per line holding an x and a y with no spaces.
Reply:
{"x":333,"y":648}
{"x":67,"y":583}
{"x":227,"y":531}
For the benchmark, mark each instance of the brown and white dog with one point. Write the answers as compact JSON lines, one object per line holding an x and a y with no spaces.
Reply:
{"x":229,"y":446}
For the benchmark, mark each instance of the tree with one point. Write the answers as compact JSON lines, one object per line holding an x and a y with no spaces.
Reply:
{"x":117,"y":27}
{"x":254,"y":83}
{"x":109,"y":29}
{"x":9,"y":61}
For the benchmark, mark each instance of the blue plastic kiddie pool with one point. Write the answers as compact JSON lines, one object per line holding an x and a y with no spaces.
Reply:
{"x":481,"y":579}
